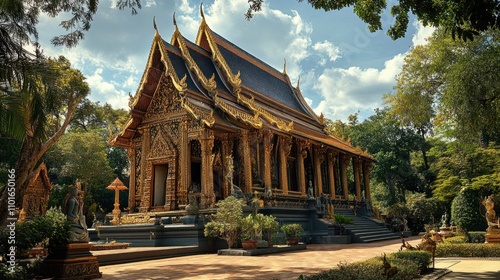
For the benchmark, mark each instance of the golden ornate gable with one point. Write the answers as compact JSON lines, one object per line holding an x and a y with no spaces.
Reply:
{"x":234,"y":80}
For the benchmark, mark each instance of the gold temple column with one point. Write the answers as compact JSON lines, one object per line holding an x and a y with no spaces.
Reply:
{"x":343,"y":166}
{"x":227,"y":150}
{"x":207,"y":174}
{"x":367,"y":169}
{"x":247,"y":161}
{"x":357,"y":180}
{"x":185,"y":161}
{"x":285,"y":147}
{"x":131,"y":186}
{"x":301,"y":156}
{"x":331,"y":171}
{"x":318,"y":188}
{"x":146,"y":170}
{"x":268,"y":148}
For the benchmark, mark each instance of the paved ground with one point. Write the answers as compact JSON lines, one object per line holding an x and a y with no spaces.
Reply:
{"x":466,"y":269}
{"x":317,"y":257}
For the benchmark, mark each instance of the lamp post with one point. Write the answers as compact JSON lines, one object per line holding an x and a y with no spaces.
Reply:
{"x":116,"y":186}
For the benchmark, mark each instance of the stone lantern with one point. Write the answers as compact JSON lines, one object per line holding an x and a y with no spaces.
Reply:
{"x":116,"y":186}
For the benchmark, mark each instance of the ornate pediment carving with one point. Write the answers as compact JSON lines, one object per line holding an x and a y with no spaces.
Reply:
{"x":165,"y":100}
{"x":161,"y":144}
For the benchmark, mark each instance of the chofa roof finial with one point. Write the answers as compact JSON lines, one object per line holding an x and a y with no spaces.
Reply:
{"x":201,"y":11}
{"x":173,"y":18}
{"x":154,"y":24}
{"x":284,"y":67}
{"x":298,"y":84}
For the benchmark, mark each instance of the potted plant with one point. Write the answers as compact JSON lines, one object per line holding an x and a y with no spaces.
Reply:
{"x":251,"y":230}
{"x":340,"y":220}
{"x":293,"y":233}
{"x":226,"y":223}
{"x":269,"y":226}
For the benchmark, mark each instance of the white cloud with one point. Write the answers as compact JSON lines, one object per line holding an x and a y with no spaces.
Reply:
{"x":345,"y":91}
{"x":185,"y":8}
{"x":423,"y":33}
{"x":327,"y":48}
{"x":150,"y":3}
{"x":103,"y":89}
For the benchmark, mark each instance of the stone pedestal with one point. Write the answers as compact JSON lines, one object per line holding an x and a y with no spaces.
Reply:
{"x":492,"y":238}
{"x":71,"y":262}
{"x":445,"y":232}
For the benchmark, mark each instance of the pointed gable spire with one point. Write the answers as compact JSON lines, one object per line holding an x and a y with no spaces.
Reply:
{"x":201,"y":12}
{"x":154,"y":26}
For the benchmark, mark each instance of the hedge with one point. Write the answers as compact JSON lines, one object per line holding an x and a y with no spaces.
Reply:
{"x":468,"y":250}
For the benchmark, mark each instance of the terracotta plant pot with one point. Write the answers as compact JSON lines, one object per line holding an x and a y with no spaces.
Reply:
{"x":292,"y":241}
{"x":249,"y":244}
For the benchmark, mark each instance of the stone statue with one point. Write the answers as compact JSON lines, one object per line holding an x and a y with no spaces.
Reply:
{"x":491,"y":217}
{"x":444,"y":218}
{"x":405,"y":225}
{"x":310,"y":191}
{"x":73,"y":208}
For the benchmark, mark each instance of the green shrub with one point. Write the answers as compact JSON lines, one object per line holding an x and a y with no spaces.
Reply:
{"x":226,"y":224}
{"x":459,"y":239}
{"x":465,"y":210}
{"x":52,"y":229}
{"x":370,"y":269}
{"x":421,"y":258}
{"x":27,"y":271}
{"x":293,"y":230}
{"x":476,"y":237}
{"x":468,"y":250}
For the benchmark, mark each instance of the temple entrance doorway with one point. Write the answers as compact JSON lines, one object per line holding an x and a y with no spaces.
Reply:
{"x":160,"y":185}
{"x":196,"y":175}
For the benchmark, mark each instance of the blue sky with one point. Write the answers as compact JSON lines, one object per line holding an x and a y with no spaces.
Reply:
{"x":343,"y":67}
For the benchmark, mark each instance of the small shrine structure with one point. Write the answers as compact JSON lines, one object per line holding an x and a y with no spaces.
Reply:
{"x":116,"y":186}
{"x":36,"y":196}
{"x":200,"y":103}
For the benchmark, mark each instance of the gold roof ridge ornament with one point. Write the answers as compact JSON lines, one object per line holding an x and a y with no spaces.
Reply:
{"x":157,"y":34}
{"x":179,"y":84}
{"x":252,"y":120}
{"x":250,"y":103}
{"x":284,"y":67}
{"x":209,"y":84}
{"x":207,"y":118}
{"x":306,"y":106}
{"x":233,"y":79}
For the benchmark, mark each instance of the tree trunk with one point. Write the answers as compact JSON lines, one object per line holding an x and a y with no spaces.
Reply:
{"x":23,"y":172}
{"x":32,"y":151}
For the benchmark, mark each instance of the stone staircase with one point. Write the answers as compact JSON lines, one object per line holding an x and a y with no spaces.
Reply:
{"x":364,"y":229}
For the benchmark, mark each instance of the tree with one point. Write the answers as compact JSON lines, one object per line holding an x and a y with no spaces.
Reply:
{"x":35,"y":105}
{"x":391,"y":145}
{"x":48,"y":101}
{"x":107,"y":122}
{"x":464,"y":19}
{"x":451,"y":83}
{"x":462,"y":165}
{"x":18,"y":29}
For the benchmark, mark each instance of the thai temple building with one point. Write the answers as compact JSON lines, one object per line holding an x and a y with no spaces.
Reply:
{"x":210,"y":119}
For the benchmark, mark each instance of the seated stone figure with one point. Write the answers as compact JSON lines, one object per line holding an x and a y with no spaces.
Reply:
{"x":73,"y":208}
{"x":491,"y":217}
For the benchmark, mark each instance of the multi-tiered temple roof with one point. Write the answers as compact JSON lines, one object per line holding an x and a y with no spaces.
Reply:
{"x":226,"y":88}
